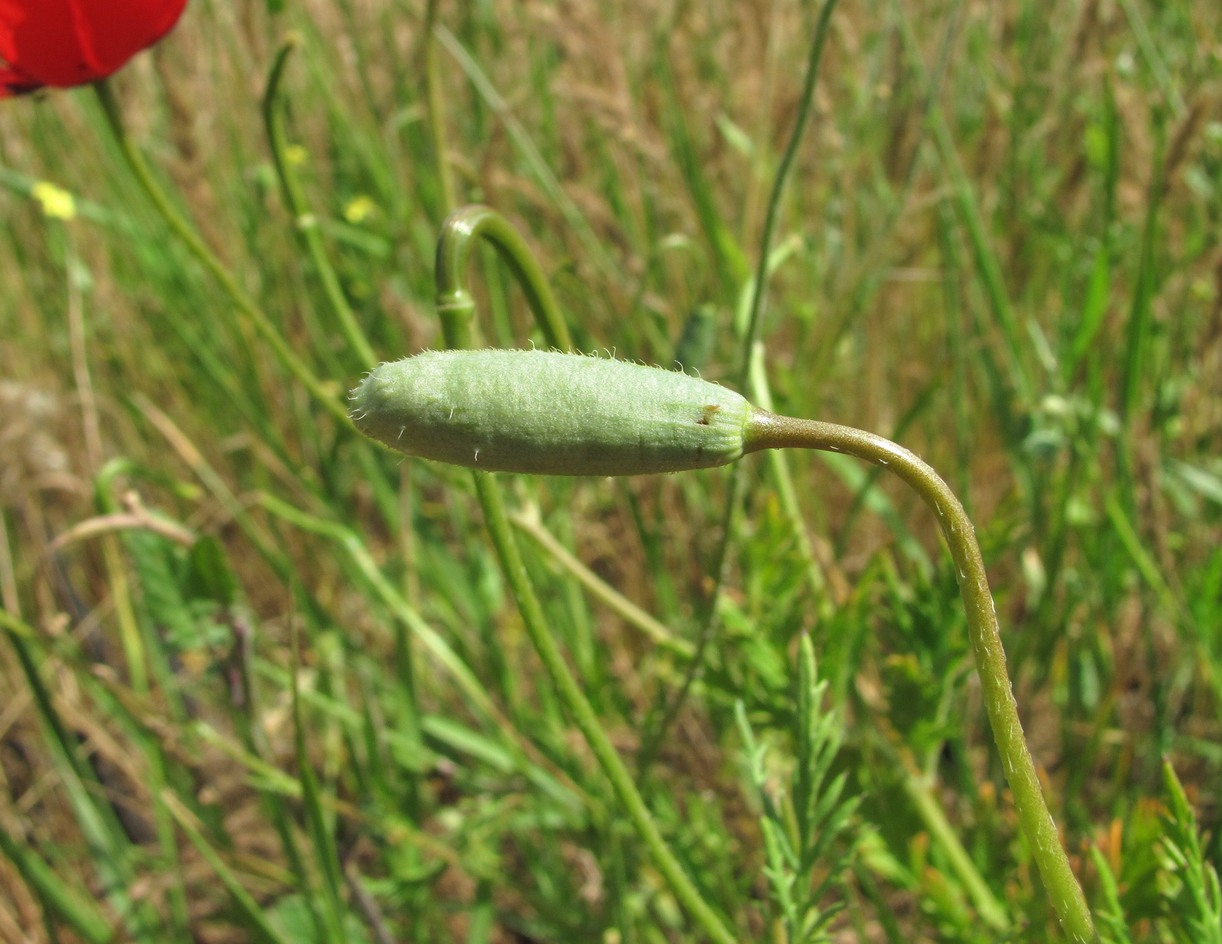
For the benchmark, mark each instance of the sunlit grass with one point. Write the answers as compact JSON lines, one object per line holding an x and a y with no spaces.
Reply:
{"x":263,"y":680}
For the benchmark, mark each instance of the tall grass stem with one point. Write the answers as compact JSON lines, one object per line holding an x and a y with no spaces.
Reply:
{"x":304,"y":221}
{"x":778,"y":189}
{"x":200,"y":250}
{"x":708,"y":615}
{"x":435,"y":96}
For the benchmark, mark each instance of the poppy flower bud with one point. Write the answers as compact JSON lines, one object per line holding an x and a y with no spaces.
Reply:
{"x":549,"y":413}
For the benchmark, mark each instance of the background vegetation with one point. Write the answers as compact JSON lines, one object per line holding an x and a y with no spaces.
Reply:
{"x":261,"y":679}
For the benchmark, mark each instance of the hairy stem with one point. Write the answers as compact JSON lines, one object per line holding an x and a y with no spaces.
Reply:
{"x":769,"y":431}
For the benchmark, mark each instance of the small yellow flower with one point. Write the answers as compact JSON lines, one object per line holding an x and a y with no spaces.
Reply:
{"x":359,"y":209}
{"x":296,"y":155}
{"x":57,"y":203}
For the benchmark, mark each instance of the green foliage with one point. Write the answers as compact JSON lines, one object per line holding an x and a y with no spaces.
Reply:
{"x":1166,"y":886}
{"x":998,"y":246}
{"x":805,"y":829}
{"x":1190,"y":887}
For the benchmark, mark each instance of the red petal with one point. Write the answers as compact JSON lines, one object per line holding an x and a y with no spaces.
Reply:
{"x":13,"y":82}
{"x":71,"y":42}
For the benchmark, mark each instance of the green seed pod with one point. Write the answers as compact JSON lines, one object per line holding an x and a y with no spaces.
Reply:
{"x":548,"y":413}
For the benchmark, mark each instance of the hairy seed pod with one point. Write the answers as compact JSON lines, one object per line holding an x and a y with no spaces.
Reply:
{"x":549,"y":413}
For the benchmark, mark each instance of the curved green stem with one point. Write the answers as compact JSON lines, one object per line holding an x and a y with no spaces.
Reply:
{"x":199,"y":249}
{"x":460,"y":233}
{"x":769,"y":431}
{"x":456,"y":308}
{"x":306,"y":222}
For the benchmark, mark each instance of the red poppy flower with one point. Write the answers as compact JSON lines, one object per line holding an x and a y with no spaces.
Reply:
{"x":72,"y":42}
